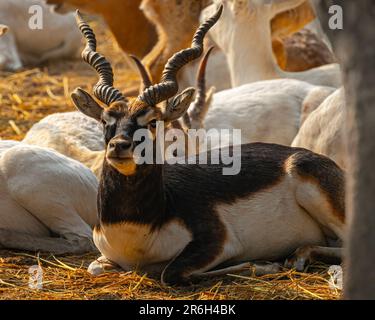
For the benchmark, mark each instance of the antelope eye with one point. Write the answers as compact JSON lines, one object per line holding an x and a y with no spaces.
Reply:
{"x":103,"y":122}
{"x":152,"y":123}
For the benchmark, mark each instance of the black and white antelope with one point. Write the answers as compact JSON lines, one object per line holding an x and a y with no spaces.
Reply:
{"x":85,"y":142}
{"x":188,"y":221}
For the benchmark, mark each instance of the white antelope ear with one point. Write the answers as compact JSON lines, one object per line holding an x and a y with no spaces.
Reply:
{"x":3,"y":29}
{"x":85,"y":103}
{"x":177,"y":107}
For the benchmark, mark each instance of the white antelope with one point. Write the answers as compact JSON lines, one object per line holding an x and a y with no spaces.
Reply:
{"x":24,"y":46}
{"x":47,"y":201}
{"x":191,"y":220}
{"x":175,"y":22}
{"x":267,"y":111}
{"x":244,"y":35}
{"x":324,"y":129}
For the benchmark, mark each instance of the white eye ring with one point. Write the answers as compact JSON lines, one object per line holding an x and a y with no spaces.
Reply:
{"x":108,"y":120}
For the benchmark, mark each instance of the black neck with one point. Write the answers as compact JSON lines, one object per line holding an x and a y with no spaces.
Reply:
{"x":139,"y":198}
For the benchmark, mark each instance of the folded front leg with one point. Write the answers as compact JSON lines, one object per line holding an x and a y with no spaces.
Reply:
{"x":200,"y":255}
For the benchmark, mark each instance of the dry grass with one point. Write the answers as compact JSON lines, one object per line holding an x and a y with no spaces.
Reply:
{"x":66,"y":278}
{"x":30,"y":95}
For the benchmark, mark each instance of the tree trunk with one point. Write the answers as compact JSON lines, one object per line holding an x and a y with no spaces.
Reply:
{"x":355,"y":48}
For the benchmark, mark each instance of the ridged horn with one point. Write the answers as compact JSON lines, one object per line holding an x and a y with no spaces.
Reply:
{"x":200,"y":100}
{"x":168,"y":87}
{"x":103,"y":90}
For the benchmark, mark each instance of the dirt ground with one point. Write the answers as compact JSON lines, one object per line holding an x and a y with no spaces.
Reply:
{"x":31,"y":94}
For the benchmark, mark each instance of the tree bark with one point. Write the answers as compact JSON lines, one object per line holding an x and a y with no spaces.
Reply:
{"x":355,"y":48}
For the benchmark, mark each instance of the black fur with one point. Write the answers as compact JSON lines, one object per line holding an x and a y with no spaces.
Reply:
{"x":158,"y":193}
{"x":329,"y":176}
{"x":190,"y":194}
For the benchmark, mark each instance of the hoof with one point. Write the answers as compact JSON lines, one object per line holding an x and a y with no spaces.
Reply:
{"x":300,"y":259}
{"x":174,"y":279}
{"x":102,"y":265}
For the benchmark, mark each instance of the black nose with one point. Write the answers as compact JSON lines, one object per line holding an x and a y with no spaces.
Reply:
{"x":119,"y":146}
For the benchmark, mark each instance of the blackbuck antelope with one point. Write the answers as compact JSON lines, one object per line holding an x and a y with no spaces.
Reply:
{"x":85,"y":142}
{"x":190,"y":221}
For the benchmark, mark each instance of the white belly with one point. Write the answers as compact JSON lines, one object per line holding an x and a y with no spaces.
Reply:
{"x":268,"y":226}
{"x":131,"y":245}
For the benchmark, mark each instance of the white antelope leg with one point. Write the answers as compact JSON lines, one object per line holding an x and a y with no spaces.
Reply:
{"x":10,"y":239}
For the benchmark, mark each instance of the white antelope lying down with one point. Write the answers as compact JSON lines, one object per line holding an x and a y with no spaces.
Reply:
{"x":324,"y":129}
{"x":191,"y":220}
{"x":266,"y":111}
{"x":47,"y":201}
{"x":23,"y":45}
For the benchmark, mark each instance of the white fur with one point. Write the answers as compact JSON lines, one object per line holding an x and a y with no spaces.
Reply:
{"x":243,"y":33}
{"x":268,"y":211}
{"x":131,"y":245}
{"x":324,"y":129}
{"x":59,"y":38}
{"x":268,"y":225}
{"x":217,"y":72}
{"x":72,"y":134}
{"x":265,"y":111}
{"x":44,"y":193}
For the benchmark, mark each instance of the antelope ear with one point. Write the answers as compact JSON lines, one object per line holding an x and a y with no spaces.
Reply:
{"x":85,"y":103}
{"x":3,"y":29}
{"x":177,"y":107}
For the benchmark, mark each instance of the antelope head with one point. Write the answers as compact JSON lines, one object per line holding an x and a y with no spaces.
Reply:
{"x":159,"y":102}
